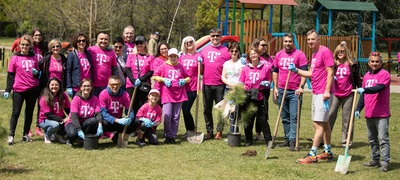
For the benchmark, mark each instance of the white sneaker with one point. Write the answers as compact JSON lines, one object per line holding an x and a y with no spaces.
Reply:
{"x":60,"y":139}
{"x":10,"y":140}
{"x":47,"y":139}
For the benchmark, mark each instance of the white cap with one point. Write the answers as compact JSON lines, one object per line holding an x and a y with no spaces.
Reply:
{"x":172,"y":51}
{"x":154,"y":91}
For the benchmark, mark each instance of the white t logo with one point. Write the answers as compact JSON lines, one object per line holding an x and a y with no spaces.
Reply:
{"x":341,"y":72}
{"x":370,"y":82}
{"x":254,"y":77}
{"x":284,"y":62}
{"x":151,"y":115}
{"x":213,"y":55}
{"x":56,"y":107}
{"x":188,"y":63}
{"x":85,"y":110}
{"x":27,"y":64}
{"x":85,"y":63}
{"x":115,"y":106}
{"x":101,"y":58}
{"x":173,"y":74}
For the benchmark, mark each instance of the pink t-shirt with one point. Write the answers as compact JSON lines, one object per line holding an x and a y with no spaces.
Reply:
{"x":156,"y":64}
{"x":174,"y":93}
{"x":55,"y":68}
{"x":269,"y":60}
{"x":85,"y":68}
{"x":190,"y":63}
{"x":378,"y":104}
{"x":129,"y":47}
{"x":251,"y":77}
{"x":22,"y":67}
{"x":213,"y":59}
{"x":38,"y":52}
{"x":320,"y":60}
{"x":84,"y":108}
{"x":282,"y":61}
{"x":144,"y":66}
{"x":152,"y":113}
{"x":343,"y":83}
{"x":103,"y":61}
{"x":44,"y":108}
{"x":114,"y":104}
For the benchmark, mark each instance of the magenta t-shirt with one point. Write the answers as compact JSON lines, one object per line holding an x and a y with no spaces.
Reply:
{"x":320,"y":60}
{"x":174,"y":93}
{"x":213,"y":59}
{"x":55,"y":68}
{"x":84,"y":108}
{"x":377,"y":105}
{"x":85,"y":68}
{"x":190,"y":63}
{"x":144,"y":66}
{"x":251,"y":77}
{"x":38,"y":52}
{"x":114,"y":104}
{"x":343,"y":83}
{"x":129,"y":47}
{"x":152,"y":113}
{"x":102,"y":63}
{"x":22,"y":67}
{"x":282,"y":61}
{"x":56,"y":110}
{"x":156,"y":64}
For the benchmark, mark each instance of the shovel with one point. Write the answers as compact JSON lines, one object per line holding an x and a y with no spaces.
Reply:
{"x":195,"y":137}
{"x":123,"y":138}
{"x":343,"y":162}
{"x":298,"y":123}
{"x":270,"y":143}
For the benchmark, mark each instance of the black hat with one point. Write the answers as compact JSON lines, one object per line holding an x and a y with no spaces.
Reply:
{"x":140,"y":39}
{"x":156,"y":33}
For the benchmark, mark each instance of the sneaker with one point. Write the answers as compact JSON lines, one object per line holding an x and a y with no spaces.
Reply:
{"x":10,"y":140}
{"x":60,"y":139}
{"x":38,"y":131}
{"x":292,"y":146}
{"x":372,"y":164}
{"x":258,"y":137}
{"x":69,"y":143}
{"x":30,"y":133}
{"x":248,"y":144}
{"x":284,"y":144}
{"x":325,"y":156}
{"x":307,"y":160}
{"x":167,"y":140}
{"x":26,"y":138}
{"x":184,"y":136}
{"x":383,"y":168}
{"x":172,"y":141}
{"x":47,"y":139}
{"x":141,"y":143}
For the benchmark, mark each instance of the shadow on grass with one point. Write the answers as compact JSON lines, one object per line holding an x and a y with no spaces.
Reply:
{"x":15,"y":169}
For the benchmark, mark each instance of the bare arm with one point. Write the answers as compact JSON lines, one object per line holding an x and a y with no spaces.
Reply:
{"x":329,"y":80}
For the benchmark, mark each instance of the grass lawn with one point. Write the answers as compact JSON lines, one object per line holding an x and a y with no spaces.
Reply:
{"x":209,"y":160}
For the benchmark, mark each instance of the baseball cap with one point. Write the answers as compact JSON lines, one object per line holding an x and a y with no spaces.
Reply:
{"x":156,"y":33}
{"x":173,"y":51}
{"x":154,"y":91}
{"x":140,"y":39}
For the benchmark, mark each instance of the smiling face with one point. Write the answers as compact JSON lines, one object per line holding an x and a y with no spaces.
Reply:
{"x":81,"y":43}
{"x":189,"y":45}
{"x":262,"y":47}
{"x":375,"y":63}
{"x":102,"y":40}
{"x":313,"y":41}
{"x":128,"y":35}
{"x":341,"y":54}
{"x":24,"y":45}
{"x":288,"y":44}
{"x":234,"y":53}
{"x":86,"y":88}
{"x":37,"y":37}
{"x":215,"y":38}
{"x":55,"y":48}
{"x":54,"y":87}
{"x":114,"y":85}
{"x":164,"y":50}
{"x":118,"y":48}
{"x":153,"y":98}
{"x":254,"y":56}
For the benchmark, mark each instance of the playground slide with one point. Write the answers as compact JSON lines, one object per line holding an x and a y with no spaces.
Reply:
{"x":205,"y":40}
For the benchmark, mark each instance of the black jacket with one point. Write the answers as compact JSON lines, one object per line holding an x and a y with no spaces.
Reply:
{"x":44,"y":68}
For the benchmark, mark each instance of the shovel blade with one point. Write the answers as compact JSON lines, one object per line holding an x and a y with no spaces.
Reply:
{"x":195,"y":137}
{"x":122,"y":141}
{"x":343,"y":164}
{"x":268,"y":149}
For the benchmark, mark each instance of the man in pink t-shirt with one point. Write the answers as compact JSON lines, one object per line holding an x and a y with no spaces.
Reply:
{"x":295,"y":88}
{"x":214,"y":56}
{"x":104,"y":63}
{"x":322,"y":77}
{"x":375,"y":97}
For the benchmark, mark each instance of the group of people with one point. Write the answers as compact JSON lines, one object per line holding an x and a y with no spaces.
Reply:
{"x":102,"y":82}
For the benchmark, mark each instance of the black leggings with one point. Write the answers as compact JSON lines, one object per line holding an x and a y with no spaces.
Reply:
{"x":89,"y":126}
{"x":29,"y":97}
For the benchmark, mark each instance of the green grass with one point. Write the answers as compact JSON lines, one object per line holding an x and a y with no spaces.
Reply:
{"x":6,"y":41}
{"x":209,"y":160}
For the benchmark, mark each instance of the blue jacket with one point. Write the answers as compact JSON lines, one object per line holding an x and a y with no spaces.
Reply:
{"x":74,"y":68}
{"x":107,"y":116}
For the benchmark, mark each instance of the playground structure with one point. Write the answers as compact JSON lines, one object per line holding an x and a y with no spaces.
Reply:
{"x":359,"y":46}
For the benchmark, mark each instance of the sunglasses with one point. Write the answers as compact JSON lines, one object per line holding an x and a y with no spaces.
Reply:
{"x":342,"y":51}
{"x":189,"y":42}
{"x":81,"y":41}
{"x":375,"y":54}
{"x":117,"y":47}
{"x":57,"y":46}
{"x":138,"y":42}
{"x":215,"y":36}
{"x":264,"y":45}
{"x":234,"y":51}
{"x":27,"y":45}
{"x":115,"y":84}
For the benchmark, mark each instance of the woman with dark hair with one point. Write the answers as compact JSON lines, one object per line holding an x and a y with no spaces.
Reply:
{"x":53,"y":103}
{"x":39,"y":44}
{"x":121,"y":59}
{"x":160,"y":58}
{"x":85,"y":116}
{"x":22,"y":78}
{"x":79,"y":63}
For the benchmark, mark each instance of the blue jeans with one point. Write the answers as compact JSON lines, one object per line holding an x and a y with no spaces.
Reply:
{"x":50,"y":127}
{"x":289,"y":113}
{"x":187,"y":105}
{"x":378,"y":137}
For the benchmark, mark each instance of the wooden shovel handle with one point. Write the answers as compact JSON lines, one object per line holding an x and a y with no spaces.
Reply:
{"x":129,"y":110}
{"x":280,"y":108}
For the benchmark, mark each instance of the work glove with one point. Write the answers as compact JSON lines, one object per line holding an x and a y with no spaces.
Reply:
{"x":137,"y":82}
{"x":124,"y":121}
{"x":357,"y":114}
{"x":242,"y":60}
{"x":199,"y":59}
{"x":81,"y":134}
{"x":292,"y":68}
{"x":326,"y":105}
{"x":147,"y":122}
{"x":181,"y":82}
{"x":265,"y":83}
{"x":69,"y":92}
{"x":6,"y":94}
{"x":167,"y":82}
{"x":34,"y":71}
{"x":230,"y":102}
{"x":99,"y":130}
{"x":360,"y":91}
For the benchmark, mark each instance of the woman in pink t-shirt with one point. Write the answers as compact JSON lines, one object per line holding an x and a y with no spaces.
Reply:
{"x":161,"y":57}
{"x":85,"y":116}
{"x":39,"y":43}
{"x":22,"y":78}
{"x":53,"y":104}
{"x":53,"y":64}
{"x":256,"y":77}
{"x":172,"y":77}
{"x":346,"y":79}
